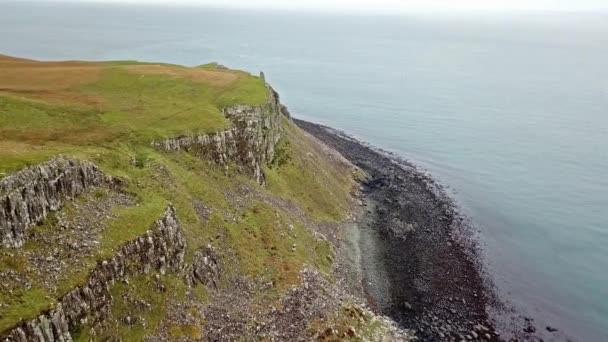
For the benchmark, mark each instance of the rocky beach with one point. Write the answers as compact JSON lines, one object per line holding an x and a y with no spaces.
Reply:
{"x":419,"y":265}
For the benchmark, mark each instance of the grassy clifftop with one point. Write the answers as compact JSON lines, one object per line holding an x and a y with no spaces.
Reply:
{"x":109,"y":113}
{"x":50,"y":107}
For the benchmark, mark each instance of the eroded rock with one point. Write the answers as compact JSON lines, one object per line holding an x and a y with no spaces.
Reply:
{"x":205,"y":268}
{"x":249,"y":143}
{"x":28,"y":196}
{"x":162,"y":248}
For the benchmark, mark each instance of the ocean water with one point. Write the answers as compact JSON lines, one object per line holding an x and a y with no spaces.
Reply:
{"x":509,"y":111}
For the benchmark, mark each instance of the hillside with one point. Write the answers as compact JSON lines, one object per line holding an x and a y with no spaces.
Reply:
{"x":149,"y":201}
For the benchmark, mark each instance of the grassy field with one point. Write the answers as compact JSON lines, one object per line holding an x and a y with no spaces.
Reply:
{"x":52,"y":107}
{"x":108,"y":113}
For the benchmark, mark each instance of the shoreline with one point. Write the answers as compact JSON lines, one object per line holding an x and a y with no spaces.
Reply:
{"x":420,"y":266}
{"x":439,"y":265}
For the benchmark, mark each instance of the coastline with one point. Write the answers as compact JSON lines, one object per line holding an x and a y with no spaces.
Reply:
{"x":419,"y":265}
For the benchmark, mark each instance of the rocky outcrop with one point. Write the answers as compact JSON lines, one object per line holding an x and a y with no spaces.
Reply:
{"x":205,"y":268}
{"x":28,"y":196}
{"x":162,"y":248}
{"x":249,"y":142}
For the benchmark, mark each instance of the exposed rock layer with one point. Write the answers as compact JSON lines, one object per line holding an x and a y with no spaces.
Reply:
{"x":249,"y":143}
{"x":162,"y":248}
{"x":205,"y":268}
{"x":28,"y":196}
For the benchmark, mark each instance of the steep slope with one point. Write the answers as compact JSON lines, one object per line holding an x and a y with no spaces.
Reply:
{"x":160,"y":202}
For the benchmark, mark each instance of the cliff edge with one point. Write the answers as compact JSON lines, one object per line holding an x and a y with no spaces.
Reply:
{"x":147,"y":201}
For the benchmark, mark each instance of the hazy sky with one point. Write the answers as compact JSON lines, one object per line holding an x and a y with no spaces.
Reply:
{"x":390,"y":5}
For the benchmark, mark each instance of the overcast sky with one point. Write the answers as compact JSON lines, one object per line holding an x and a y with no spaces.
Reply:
{"x":389,"y":5}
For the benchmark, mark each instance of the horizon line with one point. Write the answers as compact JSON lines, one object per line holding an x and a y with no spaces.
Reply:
{"x":328,"y":10}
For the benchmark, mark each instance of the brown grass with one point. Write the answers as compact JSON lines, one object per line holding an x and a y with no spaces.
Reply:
{"x":35,"y":78}
{"x":11,"y":59}
{"x":14,"y":147}
{"x":216,"y":78}
{"x":48,"y":81}
{"x":57,"y":96}
{"x":85,"y":136}
{"x":55,"y":81}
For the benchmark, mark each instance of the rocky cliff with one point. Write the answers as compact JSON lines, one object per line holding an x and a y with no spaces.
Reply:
{"x":28,"y":196}
{"x":162,"y":248}
{"x":205,"y":268}
{"x":249,"y":142}
{"x":261,"y":264}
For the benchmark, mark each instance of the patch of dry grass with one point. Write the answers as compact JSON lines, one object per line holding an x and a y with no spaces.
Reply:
{"x":218,"y":78}
{"x":48,"y":81}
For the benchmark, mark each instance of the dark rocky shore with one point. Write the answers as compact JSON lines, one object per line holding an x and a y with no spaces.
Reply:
{"x":419,"y":266}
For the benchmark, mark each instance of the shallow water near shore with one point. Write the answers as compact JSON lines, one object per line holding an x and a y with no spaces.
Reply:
{"x":510,"y":112}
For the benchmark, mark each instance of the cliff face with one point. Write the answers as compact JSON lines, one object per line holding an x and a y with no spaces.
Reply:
{"x":249,"y":143}
{"x":28,"y":196}
{"x":162,"y":248}
{"x":268,"y":244}
{"x":205,"y":268}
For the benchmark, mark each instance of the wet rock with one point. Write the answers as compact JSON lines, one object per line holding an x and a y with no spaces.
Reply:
{"x":481,"y":328}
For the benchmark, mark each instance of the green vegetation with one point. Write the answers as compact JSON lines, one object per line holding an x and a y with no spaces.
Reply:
{"x":23,"y":303}
{"x":270,"y":245}
{"x":46,"y":109}
{"x":190,"y":331}
{"x":349,"y":323}
{"x":303,"y":173}
{"x":109,"y":113}
{"x":139,"y":306}
{"x":141,"y":299}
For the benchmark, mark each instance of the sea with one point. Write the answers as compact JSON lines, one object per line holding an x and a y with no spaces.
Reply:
{"x":508,"y":110}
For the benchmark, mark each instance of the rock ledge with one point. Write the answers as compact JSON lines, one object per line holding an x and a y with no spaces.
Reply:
{"x":28,"y":196}
{"x":249,"y":143}
{"x":162,"y":248}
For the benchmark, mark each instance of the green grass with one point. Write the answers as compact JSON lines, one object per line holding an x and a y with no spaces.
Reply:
{"x":22,"y":304}
{"x":263,"y":240}
{"x":211,"y":65}
{"x":152,"y":106}
{"x":188,"y":331}
{"x":143,"y":289}
{"x":349,"y":323}
{"x":191,"y":179}
{"x":141,"y":300}
{"x":22,"y":115}
{"x":303,"y":174}
{"x":131,"y":107}
{"x":130,"y":223}
{"x":115,"y":131}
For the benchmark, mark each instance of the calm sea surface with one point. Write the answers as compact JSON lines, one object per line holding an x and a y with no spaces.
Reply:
{"x":510,"y":112}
